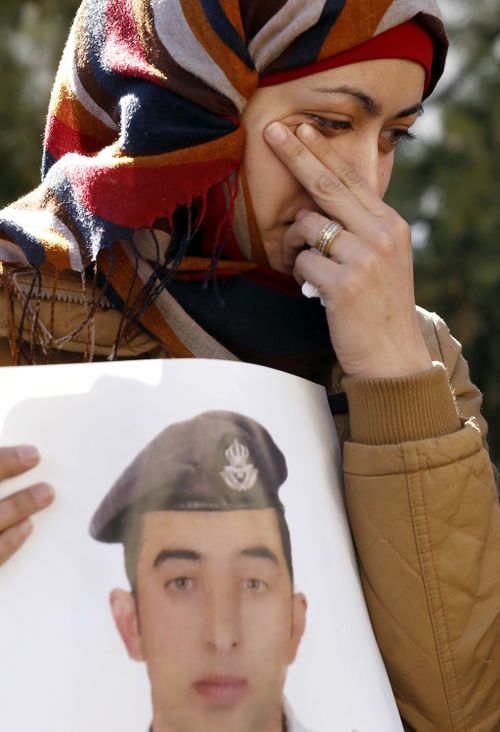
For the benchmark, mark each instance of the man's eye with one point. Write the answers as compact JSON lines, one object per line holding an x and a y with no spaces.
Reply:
{"x":255,"y":585}
{"x":329,"y":126}
{"x":180,"y":584}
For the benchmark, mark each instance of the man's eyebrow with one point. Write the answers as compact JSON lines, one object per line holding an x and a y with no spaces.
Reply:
{"x":368,"y":103}
{"x":260,"y":552}
{"x":167,"y":554}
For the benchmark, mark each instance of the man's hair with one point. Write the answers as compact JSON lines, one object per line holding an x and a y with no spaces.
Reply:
{"x":132,"y":541}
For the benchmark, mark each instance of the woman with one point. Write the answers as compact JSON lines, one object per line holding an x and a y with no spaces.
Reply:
{"x":149,"y":237}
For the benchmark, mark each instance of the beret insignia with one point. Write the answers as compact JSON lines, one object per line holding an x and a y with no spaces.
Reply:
{"x":239,"y":474}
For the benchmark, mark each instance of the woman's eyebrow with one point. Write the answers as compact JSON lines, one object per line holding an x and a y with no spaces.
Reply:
{"x":415,"y":109}
{"x":368,"y":103}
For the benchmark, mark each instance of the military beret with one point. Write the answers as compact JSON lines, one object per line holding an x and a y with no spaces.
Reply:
{"x":217,"y":461}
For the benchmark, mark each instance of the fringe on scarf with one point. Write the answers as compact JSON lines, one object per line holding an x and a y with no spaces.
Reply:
{"x":34,"y":339}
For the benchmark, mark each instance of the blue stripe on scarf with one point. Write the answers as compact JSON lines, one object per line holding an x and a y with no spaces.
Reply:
{"x":155,"y":120}
{"x":306,"y":49}
{"x":31,"y":246}
{"x":225,"y":30}
{"x":48,"y":161}
{"x":95,"y":32}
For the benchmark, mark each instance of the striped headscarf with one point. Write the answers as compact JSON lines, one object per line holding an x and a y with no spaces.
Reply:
{"x":143,"y":135}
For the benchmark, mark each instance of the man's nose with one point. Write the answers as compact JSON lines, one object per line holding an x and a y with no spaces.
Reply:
{"x":223,"y":618}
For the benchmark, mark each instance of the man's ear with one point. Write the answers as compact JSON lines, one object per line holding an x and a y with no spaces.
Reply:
{"x":299,"y":612}
{"x":124,"y":612}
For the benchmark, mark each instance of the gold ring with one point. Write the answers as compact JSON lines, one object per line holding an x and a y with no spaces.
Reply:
{"x":326,"y":237}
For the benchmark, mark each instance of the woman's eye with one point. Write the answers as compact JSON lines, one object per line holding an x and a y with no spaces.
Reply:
{"x":180,"y":584}
{"x":329,"y":126}
{"x":395,"y":136}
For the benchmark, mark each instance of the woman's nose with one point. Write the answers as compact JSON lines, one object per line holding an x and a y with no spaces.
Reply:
{"x":364,"y":157}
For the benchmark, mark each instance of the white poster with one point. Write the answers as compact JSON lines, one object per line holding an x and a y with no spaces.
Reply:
{"x":220,"y":638}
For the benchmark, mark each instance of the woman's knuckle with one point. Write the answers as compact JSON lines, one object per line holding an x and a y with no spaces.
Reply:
{"x":295,"y":151}
{"x":402,"y":228}
{"x":383,"y":243}
{"x":353,"y":178}
{"x":9,"y":461}
{"x":313,"y":220}
{"x":22,"y":505}
{"x":399,"y":227}
{"x":368,"y":262}
{"x":326,"y":184}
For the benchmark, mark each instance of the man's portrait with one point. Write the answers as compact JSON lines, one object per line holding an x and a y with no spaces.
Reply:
{"x":182,"y":610}
{"x":211,"y":608}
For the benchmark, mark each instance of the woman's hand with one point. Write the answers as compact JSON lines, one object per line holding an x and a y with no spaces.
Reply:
{"x":16,"y":509}
{"x":366,"y":282}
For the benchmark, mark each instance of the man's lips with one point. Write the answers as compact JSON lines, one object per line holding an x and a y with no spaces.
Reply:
{"x":221,"y":690}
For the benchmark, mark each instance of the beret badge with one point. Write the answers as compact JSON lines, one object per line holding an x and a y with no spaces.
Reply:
{"x":239,"y":474}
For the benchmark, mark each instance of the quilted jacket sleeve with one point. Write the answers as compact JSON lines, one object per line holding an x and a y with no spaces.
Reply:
{"x":421,"y":498}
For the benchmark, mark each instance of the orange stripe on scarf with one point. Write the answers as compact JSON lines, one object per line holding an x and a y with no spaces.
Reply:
{"x":354,"y":27}
{"x":242,"y":78}
{"x":129,"y":287}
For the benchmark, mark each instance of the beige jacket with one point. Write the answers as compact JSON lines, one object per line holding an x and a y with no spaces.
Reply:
{"x":423,"y":509}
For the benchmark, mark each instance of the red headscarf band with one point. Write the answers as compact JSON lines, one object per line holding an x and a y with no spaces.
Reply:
{"x":408,"y":41}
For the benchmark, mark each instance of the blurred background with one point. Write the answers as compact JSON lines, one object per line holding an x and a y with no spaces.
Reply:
{"x":446,"y":183}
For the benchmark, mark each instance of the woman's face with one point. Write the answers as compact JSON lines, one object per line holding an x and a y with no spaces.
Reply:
{"x":363,"y":109}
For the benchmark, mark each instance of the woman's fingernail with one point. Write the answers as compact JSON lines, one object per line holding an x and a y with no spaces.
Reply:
{"x":28,"y":455}
{"x":307,"y":132}
{"x":43,"y":493}
{"x":276,"y":132}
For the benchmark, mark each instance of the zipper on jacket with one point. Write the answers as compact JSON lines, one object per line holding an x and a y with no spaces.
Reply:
{"x":63,"y":296}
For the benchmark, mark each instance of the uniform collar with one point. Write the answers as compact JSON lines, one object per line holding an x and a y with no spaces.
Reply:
{"x":290,"y":722}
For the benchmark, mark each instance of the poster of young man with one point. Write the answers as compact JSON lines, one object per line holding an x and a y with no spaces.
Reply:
{"x":195,"y":572}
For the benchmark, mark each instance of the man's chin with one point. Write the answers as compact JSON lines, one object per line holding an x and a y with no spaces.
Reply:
{"x":216,"y":720}
{"x":218,"y":714}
